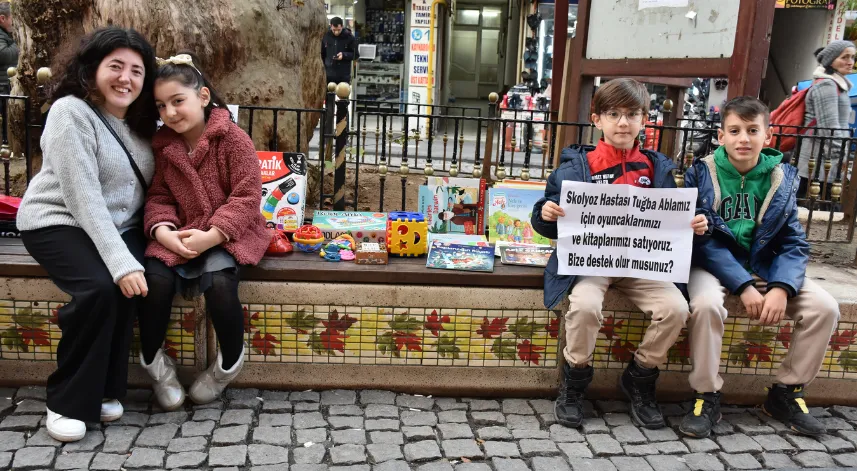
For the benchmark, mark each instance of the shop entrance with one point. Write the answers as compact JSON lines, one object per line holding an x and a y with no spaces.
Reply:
{"x":478,"y":51}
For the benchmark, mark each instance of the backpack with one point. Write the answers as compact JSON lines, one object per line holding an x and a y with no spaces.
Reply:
{"x":788,"y":117}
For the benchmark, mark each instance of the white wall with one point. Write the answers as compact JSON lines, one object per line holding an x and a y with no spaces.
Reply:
{"x":796,"y":34}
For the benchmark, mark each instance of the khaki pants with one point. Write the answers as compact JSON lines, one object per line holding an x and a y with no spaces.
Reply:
{"x":658,"y":299}
{"x":814,"y":312}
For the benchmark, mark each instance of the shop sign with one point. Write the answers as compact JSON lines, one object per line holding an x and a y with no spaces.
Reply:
{"x":836,"y":25}
{"x":419,"y":54}
{"x":822,"y":4}
{"x":420,"y":13}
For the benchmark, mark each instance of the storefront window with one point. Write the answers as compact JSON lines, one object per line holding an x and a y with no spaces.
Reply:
{"x":492,"y":17}
{"x":467,"y":17}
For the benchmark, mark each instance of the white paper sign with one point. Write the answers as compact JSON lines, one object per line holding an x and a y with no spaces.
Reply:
{"x":662,"y":3}
{"x":625,"y":231}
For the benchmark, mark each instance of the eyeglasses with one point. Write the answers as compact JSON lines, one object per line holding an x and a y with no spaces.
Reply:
{"x":614,"y":116}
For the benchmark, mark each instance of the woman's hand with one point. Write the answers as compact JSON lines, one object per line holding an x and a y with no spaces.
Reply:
{"x":699,"y":224}
{"x":172,"y":241}
{"x":551,"y":211}
{"x":134,"y":284}
{"x":199,"y":241}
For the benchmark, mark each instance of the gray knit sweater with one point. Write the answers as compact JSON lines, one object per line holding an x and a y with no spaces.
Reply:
{"x":86,"y":181}
{"x":827,"y":103}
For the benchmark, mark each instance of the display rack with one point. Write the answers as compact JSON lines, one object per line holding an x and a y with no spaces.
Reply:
{"x":379,"y":81}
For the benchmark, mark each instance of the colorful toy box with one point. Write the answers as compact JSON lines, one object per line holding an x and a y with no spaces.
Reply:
{"x":407,"y":234}
{"x":371,"y":253}
{"x":363,"y":226}
{"x":283,"y":189}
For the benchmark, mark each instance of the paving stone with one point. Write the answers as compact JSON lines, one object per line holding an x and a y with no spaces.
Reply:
{"x":511,"y":465}
{"x":348,"y":454}
{"x":34,"y":457}
{"x":387,"y":438}
{"x":450,"y":403}
{"x":375,"y":411}
{"x":30,"y":406}
{"x":187,"y":459}
{"x":241,"y":393}
{"x":132,"y":419}
{"x":615,"y":419}
{"x":847,"y":459}
{"x":472,"y":467}
{"x":374,"y":396}
{"x":740,"y":461}
{"x":542,"y":463}
{"x":183,"y":445}
{"x":90,"y":441}
{"x":304,"y":396}
{"x":11,"y":441}
{"x":484,"y":405}
{"x":814,"y":459}
{"x":6,"y":404}
{"x":41,"y":438}
{"x":338,"y":397}
{"x":835,"y":423}
{"x":380,"y":452}
{"x":381,"y":424}
{"x":119,"y":439}
{"x":306,"y":407}
{"x":453,"y":431}
{"x":274,"y":420}
{"x":356,"y":467}
{"x":215,"y":404}
{"x":629,"y":463}
{"x":775,"y":424}
{"x":237,"y":417}
{"x":305,"y":467}
{"x":722,"y":428}
{"x":628,"y":434}
{"x":805,"y":443}
{"x":770,"y":443}
{"x":412,"y":418}
{"x":660,"y":435}
{"x":835,"y":444}
{"x":350,"y":410}
{"x":575,"y":450}
{"x":538,"y":447}
{"x":351,"y":437}
{"x":494,"y":433}
{"x":415,"y":402}
{"x":488,"y":418}
{"x":640,"y":450}
{"x":267,"y":454}
{"x":517,"y":406}
{"x":777,"y":460}
{"x":594,"y":425}
{"x":584,"y":464}
{"x":670,"y":448}
{"x":418,"y":433}
{"x":612,"y":406}
{"x":846,"y":412}
{"x":542,"y":406}
{"x":748,"y":423}
{"x":436,"y":466}
{"x":32,"y":392}
{"x":501,"y":449}
{"x":280,"y":436}
{"x":603,"y":445}
{"x":234,"y":455}
{"x":530,"y":434}
{"x":424,"y":450}
{"x":198,"y":429}
{"x":145,"y":458}
{"x":315,"y":435}
{"x":74,"y":460}
{"x":548,"y":419}
{"x":666,"y":463}
{"x":277,"y":406}
{"x":819,"y":412}
{"x":703,"y":462}
{"x":522,"y":422}
{"x":396,"y":465}
{"x":230,"y":435}
{"x":465,"y":448}
{"x":452,"y":416}
{"x":157,"y":436}
{"x":308,"y":420}
{"x":312,"y":454}
{"x":701,"y":445}
{"x":738,"y":443}
{"x":275,"y":396}
{"x":561,"y":434}
{"x":20,"y":422}
{"x":107,"y":462}
{"x":849,"y":435}
{"x":176,"y":417}
{"x":207,"y":414}
{"x":6,"y":459}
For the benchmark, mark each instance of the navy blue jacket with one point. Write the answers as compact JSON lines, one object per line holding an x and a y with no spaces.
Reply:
{"x":574,"y":167}
{"x":779,"y":252}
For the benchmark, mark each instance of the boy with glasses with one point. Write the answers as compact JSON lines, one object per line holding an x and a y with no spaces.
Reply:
{"x":617,"y":159}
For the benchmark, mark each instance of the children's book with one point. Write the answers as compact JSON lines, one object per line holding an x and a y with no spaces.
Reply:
{"x":534,"y":256}
{"x":453,"y":205}
{"x":460,"y":239}
{"x":509,"y":212}
{"x":460,"y":257}
{"x":283,"y":189}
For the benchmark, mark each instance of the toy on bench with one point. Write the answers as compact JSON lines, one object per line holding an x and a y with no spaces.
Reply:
{"x":407,"y":234}
{"x":308,"y":238}
{"x":341,"y":248}
{"x":371,"y":253}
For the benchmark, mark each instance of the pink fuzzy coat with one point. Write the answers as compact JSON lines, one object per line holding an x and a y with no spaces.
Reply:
{"x":219,"y":185}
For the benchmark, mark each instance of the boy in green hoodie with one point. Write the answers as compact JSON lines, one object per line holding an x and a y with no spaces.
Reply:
{"x":756,"y":245}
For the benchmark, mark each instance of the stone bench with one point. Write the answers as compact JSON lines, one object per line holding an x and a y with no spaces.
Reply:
{"x":311,"y":324}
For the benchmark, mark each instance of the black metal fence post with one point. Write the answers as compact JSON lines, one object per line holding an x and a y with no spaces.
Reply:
{"x":343,"y":90}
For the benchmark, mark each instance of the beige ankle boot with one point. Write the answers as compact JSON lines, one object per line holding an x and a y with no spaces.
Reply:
{"x":168,"y":390}
{"x":211,"y":382}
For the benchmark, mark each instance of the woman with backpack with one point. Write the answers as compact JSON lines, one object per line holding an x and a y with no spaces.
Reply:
{"x":827,"y":106}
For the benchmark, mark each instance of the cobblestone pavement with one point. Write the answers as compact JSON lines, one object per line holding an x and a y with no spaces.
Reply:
{"x":383,"y":431}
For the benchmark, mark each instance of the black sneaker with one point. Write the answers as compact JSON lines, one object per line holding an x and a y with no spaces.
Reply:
{"x":568,"y":407}
{"x":638,"y":384}
{"x":704,"y":415}
{"x":785,"y":403}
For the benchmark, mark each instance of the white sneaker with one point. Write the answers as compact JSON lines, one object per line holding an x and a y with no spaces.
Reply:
{"x":111,"y":409}
{"x":64,"y":429}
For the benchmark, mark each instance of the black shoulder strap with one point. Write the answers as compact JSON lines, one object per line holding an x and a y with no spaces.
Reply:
{"x":127,"y":153}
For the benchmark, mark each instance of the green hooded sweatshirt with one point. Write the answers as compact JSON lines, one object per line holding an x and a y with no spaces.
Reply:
{"x":741,"y":196}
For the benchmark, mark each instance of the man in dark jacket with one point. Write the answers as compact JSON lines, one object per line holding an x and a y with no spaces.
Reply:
{"x":8,"y":48}
{"x":338,"y":49}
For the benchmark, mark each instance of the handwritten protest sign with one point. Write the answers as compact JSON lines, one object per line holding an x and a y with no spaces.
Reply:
{"x":625,"y":231}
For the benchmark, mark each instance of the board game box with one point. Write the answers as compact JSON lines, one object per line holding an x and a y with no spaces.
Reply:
{"x":363,"y":226}
{"x":283,"y":189}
